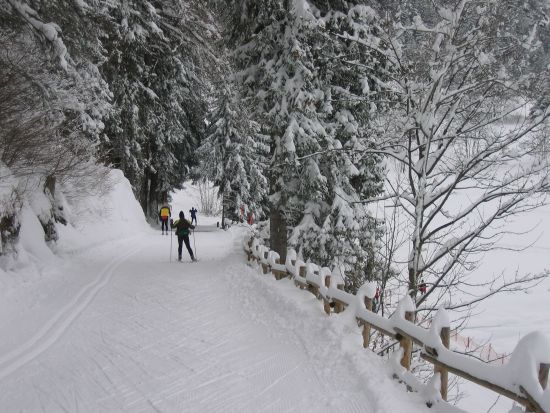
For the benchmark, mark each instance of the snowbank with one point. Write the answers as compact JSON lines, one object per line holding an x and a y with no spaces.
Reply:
{"x":92,"y":219}
{"x":35,"y":287}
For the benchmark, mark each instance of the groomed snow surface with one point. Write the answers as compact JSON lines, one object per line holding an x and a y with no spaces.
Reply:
{"x":111,"y":325}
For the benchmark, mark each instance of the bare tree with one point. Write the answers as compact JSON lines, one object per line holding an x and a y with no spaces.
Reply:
{"x":42,"y":137}
{"x":42,"y":119}
{"x":459,"y":128}
{"x":210,"y":201}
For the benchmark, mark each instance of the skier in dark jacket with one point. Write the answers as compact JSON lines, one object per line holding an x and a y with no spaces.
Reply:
{"x":182,"y":232}
{"x":193,"y":212}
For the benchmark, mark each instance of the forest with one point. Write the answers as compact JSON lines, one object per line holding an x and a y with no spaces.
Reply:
{"x":312,"y":115}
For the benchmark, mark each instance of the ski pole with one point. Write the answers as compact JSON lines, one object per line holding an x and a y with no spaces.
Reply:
{"x":170,"y":242}
{"x":194,"y":245}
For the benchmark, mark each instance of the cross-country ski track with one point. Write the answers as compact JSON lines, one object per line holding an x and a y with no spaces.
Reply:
{"x":125,"y":330}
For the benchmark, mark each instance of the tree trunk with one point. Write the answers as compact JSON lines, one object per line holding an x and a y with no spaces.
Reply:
{"x":277,"y":218}
{"x":154,"y":196}
{"x":413,"y":283}
{"x":277,"y":227}
{"x":143,"y":199}
{"x":149,"y":196}
{"x":50,"y":185}
{"x":223,"y":210}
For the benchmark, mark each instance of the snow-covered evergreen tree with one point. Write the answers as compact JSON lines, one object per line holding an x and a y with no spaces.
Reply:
{"x":314,"y":110}
{"x":156,"y":70}
{"x":347,"y":71}
{"x":232,"y":159}
{"x":273,"y":68}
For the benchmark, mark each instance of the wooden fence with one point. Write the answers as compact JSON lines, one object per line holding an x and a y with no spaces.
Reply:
{"x":522,"y":379}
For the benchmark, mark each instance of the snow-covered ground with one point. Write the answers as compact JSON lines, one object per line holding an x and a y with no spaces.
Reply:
{"x":111,"y":325}
{"x":507,"y":317}
{"x":503,"y":319}
{"x":188,"y":198}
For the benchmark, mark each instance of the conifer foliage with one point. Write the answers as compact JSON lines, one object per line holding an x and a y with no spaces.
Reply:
{"x":154,"y":69}
{"x":312,"y":106}
{"x":232,"y":158}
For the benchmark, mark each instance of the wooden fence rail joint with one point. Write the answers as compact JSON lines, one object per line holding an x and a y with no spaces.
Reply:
{"x":431,"y":351}
{"x":530,"y":404}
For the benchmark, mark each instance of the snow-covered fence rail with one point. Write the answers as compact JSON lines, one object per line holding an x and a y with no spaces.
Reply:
{"x":523,"y":378}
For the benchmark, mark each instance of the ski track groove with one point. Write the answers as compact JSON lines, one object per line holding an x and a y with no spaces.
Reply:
{"x":57,"y":325}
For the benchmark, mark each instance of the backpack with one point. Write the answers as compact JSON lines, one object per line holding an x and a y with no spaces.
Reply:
{"x":164,"y":212}
{"x":182,"y":228}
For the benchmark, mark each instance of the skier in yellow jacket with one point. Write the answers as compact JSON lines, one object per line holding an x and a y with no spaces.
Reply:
{"x":164,"y":215}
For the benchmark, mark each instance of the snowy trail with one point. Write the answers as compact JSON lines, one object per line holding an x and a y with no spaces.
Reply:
{"x":58,"y":324}
{"x":146,"y":335}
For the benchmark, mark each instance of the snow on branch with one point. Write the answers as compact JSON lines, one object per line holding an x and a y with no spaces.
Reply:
{"x":49,"y":31}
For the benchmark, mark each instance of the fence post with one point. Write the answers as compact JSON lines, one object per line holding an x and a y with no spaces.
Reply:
{"x":543,"y":380}
{"x":339,"y":306}
{"x":406,"y":344}
{"x":302,"y":273}
{"x":313,"y":288}
{"x":249,"y":252}
{"x":276,"y":273}
{"x":326,"y":301}
{"x":288,"y":274}
{"x":265,"y":268}
{"x":366,"y":326}
{"x":443,"y":373}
